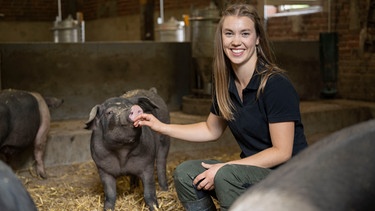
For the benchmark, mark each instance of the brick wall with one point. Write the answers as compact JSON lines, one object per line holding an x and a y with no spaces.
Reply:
{"x":47,"y":10}
{"x":302,"y":27}
{"x":356,"y":67}
{"x":25,"y":10}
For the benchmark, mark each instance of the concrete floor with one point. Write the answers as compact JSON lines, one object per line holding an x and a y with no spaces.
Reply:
{"x":69,"y":142}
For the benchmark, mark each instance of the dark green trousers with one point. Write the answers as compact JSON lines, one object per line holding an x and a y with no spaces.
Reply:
{"x":230,"y":181}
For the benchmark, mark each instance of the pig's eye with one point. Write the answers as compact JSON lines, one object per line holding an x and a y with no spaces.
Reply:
{"x":109,"y":112}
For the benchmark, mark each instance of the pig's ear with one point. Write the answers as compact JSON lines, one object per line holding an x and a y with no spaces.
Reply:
{"x":147,"y":105}
{"x":91,"y":123}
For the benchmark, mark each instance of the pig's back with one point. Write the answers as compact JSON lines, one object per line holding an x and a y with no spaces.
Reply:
{"x":22,"y":116}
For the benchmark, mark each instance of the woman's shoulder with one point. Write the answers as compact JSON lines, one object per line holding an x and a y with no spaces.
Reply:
{"x":279,"y":77}
{"x":279,"y":83}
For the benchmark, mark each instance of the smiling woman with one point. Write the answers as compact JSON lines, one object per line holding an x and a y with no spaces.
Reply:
{"x":255,"y":99}
{"x":239,"y":42}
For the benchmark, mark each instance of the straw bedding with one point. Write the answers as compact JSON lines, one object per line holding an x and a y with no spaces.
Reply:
{"x":78,"y":187}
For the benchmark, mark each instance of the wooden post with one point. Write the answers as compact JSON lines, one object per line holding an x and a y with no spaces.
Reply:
{"x":147,"y":19}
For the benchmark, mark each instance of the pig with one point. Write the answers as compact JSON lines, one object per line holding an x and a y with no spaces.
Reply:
{"x":24,"y":121}
{"x":14,"y":196}
{"x":336,"y":173}
{"x":118,"y":148}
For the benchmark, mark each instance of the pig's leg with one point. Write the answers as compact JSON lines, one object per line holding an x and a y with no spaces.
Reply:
{"x":41,"y":137}
{"x":109,"y":185}
{"x":149,"y":191}
{"x":161,"y":161}
{"x":134,"y":182}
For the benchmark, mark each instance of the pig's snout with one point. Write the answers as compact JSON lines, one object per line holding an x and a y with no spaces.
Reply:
{"x":135,"y":110}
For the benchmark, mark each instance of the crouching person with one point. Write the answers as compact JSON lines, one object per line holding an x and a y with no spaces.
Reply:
{"x":255,"y":99}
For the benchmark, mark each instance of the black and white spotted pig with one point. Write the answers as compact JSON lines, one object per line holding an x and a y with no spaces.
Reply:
{"x":24,"y":120}
{"x":118,"y":148}
{"x":336,"y":173}
{"x":13,"y":195}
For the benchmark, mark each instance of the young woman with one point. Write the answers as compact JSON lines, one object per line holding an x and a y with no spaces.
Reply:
{"x":255,"y":99}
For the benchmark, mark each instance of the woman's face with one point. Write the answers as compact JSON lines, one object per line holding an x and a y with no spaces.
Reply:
{"x":239,"y":40}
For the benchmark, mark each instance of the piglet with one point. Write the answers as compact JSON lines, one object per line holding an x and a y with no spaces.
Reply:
{"x":118,"y":148}
{"x":24,"y":120}
{"x":336,"y":173}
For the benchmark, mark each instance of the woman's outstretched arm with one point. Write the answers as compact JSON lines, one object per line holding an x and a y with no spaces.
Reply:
{"x":210,"y":130}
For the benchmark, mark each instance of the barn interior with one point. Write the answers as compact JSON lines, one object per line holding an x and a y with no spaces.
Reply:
{"x":87,"y":51}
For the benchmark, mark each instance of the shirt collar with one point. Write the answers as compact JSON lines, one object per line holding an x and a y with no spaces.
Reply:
{"x":252,"y":85}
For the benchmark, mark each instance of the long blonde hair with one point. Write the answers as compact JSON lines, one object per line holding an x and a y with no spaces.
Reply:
{"x":222,"y":65}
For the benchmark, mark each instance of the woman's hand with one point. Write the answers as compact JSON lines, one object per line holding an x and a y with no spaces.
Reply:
{"x":205,"y":180}
{"x":148,"y":120}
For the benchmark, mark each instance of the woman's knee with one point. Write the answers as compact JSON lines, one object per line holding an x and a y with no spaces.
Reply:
{"x":225,"y":173}
{"x":191,"y":168}
{"x":241,"y":173}
{"x":233,"y":180}
{"x":227,"y":179}
{"x":185,"y":169}
{"x":183,"y":179}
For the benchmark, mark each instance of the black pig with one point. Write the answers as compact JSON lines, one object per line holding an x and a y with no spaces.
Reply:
{"x":24,"y":120}
{"x":118,"y":148}
{"x":336,"y":173}
{"x":14,"y":196}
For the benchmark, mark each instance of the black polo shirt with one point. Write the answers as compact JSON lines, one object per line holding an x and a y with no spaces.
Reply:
{"x":278,"y":103}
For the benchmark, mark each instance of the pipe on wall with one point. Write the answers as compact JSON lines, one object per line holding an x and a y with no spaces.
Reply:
{"x":161,"y":11}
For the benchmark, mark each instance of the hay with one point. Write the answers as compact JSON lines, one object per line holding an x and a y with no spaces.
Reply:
{"x":78,"y":187}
